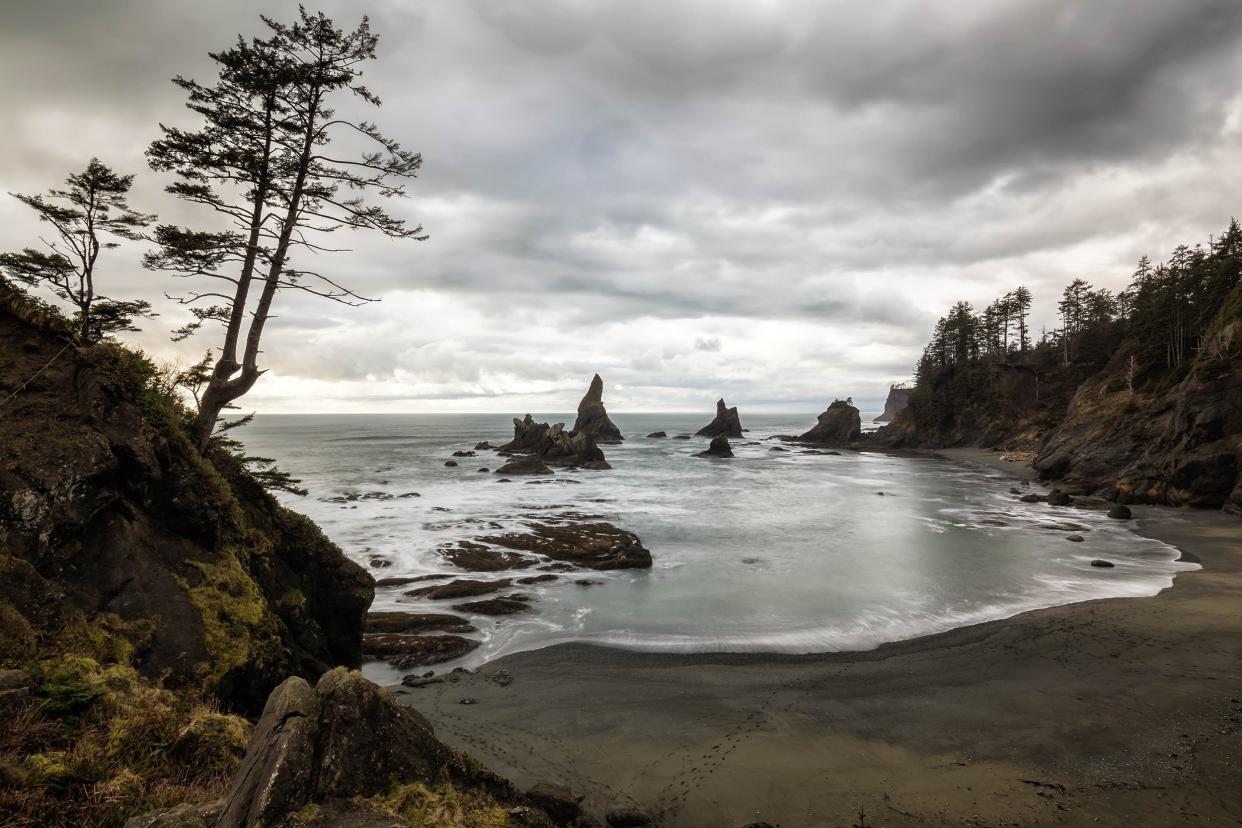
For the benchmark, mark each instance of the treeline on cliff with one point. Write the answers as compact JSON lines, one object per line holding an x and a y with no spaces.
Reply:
{"x":984,"y":379}
{"x":1136,"y":395}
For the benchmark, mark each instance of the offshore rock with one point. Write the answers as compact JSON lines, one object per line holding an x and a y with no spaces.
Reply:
{"x":553,"y":446}
{"x":593,"y":418}
{"x":719,"y":447}
{"x":727,"y":423}
{"x":839,"y":425}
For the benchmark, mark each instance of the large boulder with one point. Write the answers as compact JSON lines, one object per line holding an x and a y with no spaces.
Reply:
{"x":346,"y":753}
{"x":727,"y":423}
{"x":593,"y":418}
{"x":839,"y":425}
{"x":719,"y":447}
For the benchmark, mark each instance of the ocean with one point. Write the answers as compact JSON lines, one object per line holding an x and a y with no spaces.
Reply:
{"x":770,"y":551}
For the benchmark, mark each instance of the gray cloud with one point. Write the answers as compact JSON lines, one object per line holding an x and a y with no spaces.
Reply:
{"x":774,"y":200}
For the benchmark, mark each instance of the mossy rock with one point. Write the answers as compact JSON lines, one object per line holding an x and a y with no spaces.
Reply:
{"x":68,"y":684}
{"x":17,"y":638}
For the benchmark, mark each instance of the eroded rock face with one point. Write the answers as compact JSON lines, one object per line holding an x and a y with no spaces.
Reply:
{"x":719,"y":447}
{"x":839,"y":425}
{"x":347,"y":737}
{"x":593,"y":418}
{"x":727,"y":423}
{"x":1181,"y":447}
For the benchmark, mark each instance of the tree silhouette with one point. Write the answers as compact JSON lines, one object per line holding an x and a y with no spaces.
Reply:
{"x":91,"y":207}
{"x":261,"y":161}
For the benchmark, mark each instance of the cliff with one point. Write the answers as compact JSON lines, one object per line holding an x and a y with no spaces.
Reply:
{"x":1178,"y":446}
{"x":896,"y":402}
{"x":146,"y":591}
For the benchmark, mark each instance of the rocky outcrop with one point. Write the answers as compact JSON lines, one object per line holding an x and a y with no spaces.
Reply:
{"x":524,"y":465}
{"x":896,"y":402}
{"x":110,"y":518}
{"x":839,"y":425}
{"x":1181,"y":447}
{"x":719,"y":447}
{"x":593,"y":418}
{"x":726,"y":424}
{"x":593,"y":545}
{"x":346,"y":753}
{"x":553,"y":446}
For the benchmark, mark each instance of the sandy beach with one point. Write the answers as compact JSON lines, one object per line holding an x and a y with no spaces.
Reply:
{"x":1110,"y":712}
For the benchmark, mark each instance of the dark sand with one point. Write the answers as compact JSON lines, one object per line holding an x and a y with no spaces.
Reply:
{"x":1111,"y":712}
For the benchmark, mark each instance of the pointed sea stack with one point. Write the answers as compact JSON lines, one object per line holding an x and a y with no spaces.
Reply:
{"x":839,"y":425}
{"x":593,"y":418}
{"x":727,"y":423}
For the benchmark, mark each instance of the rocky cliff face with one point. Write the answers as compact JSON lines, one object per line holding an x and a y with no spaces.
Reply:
{"x":593,"y":418}
{"x":726,"y":424}
{"x":839,"y":425}
{"x":111,"y":524}
{"x":898,"y":398}
{"x":1180,"y":447}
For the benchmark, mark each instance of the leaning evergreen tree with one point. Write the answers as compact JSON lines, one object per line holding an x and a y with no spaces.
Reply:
{"x":92,"y":207}
{"x":260,"y":160}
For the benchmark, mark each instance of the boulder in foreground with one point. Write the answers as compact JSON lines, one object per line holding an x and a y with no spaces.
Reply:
{"x":839,"y":425}
{"x":727,"y":423}
{"x":346,"y":753}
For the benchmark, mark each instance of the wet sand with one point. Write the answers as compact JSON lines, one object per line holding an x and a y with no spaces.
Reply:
{"x":1110,"y":712}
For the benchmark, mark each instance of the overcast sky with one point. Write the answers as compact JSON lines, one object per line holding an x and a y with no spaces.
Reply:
{"x":771,"y":200}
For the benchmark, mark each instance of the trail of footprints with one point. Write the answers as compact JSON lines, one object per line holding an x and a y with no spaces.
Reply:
{"x":673,"y":796}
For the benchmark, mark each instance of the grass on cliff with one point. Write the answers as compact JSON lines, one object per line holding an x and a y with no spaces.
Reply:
{"x":94,"y":743}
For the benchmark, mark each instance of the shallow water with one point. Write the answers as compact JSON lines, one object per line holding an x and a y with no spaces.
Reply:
{"x":776,"y":551}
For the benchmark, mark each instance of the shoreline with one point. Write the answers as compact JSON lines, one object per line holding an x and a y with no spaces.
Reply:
{"x":1082,"y":712}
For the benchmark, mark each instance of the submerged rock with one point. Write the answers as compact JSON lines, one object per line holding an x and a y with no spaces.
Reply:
{"x":657,"y":434}
{"x":503,"y":605}
{"x":407,"y":651}
{"x":460,"y":588}
{"x":1103,"y":564}
{"x":599,"y":546}
{"x":477,"y":557}
{"x":415,"y":622}
{"x":593,"y":419}
{"x":839,"y":425}
{"x":726,"y":424}
{"x":719,"y":447}
{"x":524,"y":465}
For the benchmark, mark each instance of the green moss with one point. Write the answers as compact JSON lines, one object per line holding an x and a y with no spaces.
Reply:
{"x":49,"y":767}
{"x":68,"y":684}
{"x":307,"y":813}
{"x":234,"y":616}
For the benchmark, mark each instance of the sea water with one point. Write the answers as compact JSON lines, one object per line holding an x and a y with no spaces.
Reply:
{"x":770,"y":551}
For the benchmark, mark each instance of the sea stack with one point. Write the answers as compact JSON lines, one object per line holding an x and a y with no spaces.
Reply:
{"x":898,"y":399}
{"x":839,"y":425}
{"x":719,"y":448}
{"x":726,"y":424}
{"x":553,"y":445}
{"x":593,"y":418}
